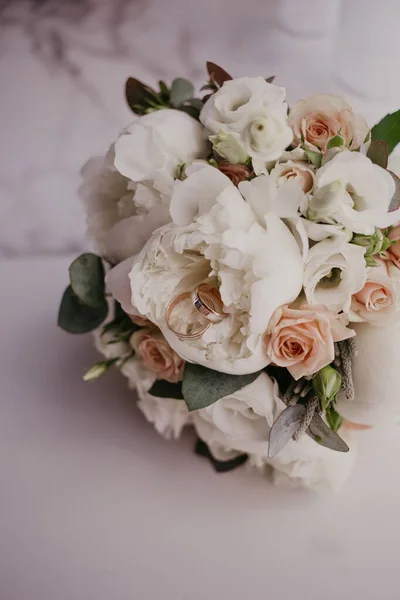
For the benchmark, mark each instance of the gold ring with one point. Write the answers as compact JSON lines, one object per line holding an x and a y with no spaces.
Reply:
{"x":206,"y":300}
{"x":183,"y":336}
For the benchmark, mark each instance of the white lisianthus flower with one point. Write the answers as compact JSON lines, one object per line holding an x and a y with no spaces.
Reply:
{"x":355,"y":192}
{"x":333,"y":272}
{"x":242,"y":421}
{"x":124,"y":207}
{"x":376,"y":377}
{"x":255,"y":112}
{"x":251,"y":256}
{"x":159,"y":142}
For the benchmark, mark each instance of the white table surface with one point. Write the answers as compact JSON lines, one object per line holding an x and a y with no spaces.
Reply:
{"x":94,"y":505}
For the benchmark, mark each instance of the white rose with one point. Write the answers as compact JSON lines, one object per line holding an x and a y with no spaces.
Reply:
{"x":376,"y":377}
{"x":333,"y":272}
{"x":299,"y":171}
{"x":242,"y":421}
{"x":251,"y":256}
{"x":353,"y":191}
{"x":256,"y":112}
{"x":158,"y":142}
{"x":121,"y":215}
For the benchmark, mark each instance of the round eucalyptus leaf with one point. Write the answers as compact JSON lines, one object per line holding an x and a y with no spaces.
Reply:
{"x":76,"y":317}
{"x":86,"y":275}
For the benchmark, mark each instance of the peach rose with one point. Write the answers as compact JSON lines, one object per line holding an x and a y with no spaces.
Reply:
{"x":376,"y":303}
{"x":322,"y":116}
{"x":302,"y":339}
{"x":236,"y":173}
{"x":393,"y":253}
{"x":157,"y":355}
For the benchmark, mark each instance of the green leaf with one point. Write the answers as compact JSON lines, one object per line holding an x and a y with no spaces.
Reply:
{"x":76,"y":317}
{"x":334,"y":419}
{"x":284,"y":427}
{"x":217,"y":74}
{"x":181,"y":91}
{"x":335,"y":142}
{"x":378,"y":152}
{"x":86,"y":275}
{"x":221,"y":466}
{"x":202,"y":387}
{"x":388,"y":130}
{"x":322,"y":434}
{"x":314,"y":157}
{"x":165,"y":389}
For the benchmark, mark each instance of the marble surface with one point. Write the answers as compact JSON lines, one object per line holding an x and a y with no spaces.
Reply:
{"x":95,"y":505}
{"x":63,"y":66}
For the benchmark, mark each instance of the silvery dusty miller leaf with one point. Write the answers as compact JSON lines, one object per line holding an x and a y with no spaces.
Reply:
{"x":284,"y":428}
{"x":323,"y":435}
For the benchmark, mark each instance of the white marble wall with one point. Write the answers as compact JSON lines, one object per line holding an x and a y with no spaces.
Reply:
{"x":63,"y":65}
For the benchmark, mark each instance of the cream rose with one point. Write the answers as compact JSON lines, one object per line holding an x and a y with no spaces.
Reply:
{"x":302,"y":339}
{"x":255,"y":113}
{"x":320,"y":117}
{"x":241,"y":422}
{"x":333,"y":272}
{"x":300,"y":172}
{"x":216,"y":234}
{"x":157,"y":355}
{"x":354,"y":192}
{"x":378,"y":301}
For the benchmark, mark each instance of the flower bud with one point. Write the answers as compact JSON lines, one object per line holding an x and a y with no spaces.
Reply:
{"x":373,"y":244}
{"x":229,"y":146}
{"x":327,"y":383}
{"x":98,"y":369}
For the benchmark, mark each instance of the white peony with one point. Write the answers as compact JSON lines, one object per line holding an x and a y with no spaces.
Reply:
{"x":242,"y":421}
{"x":376,"y":377}
{"x":255,"y":112}
{"x":333,"y":272}
{"x":125,"y":206}
{"x":251,"y":256}
{"x":353,"y":191}
{"x":157,"y":143}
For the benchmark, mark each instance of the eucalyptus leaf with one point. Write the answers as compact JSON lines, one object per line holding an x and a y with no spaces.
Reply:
{"x":86,"y":275}
{"x":76,"y":317}
{"x":388,"y":130}
{"x":395,"y":202}
{"x":181,"y":91}
{"x":284,"y":428}
{"x":221,"y":466}
{"x":323,"y":435}
{"x":166,"y":389}
{"x":378,"y":152}
{"x":217,"y":74}
{"x":202,"y":387}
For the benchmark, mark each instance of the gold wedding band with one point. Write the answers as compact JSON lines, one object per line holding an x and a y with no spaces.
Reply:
{"x":183,"y":336}
{"x":207,"y":301}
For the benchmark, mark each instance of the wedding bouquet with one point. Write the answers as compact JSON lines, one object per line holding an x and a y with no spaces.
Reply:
{"x":247,"y":273}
